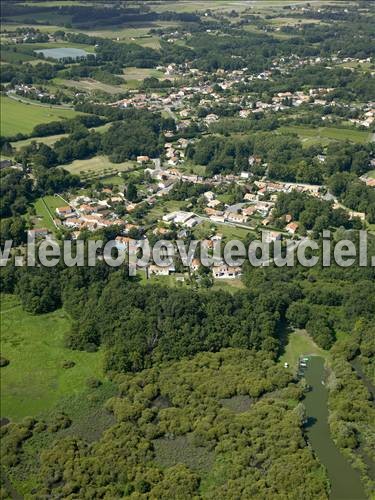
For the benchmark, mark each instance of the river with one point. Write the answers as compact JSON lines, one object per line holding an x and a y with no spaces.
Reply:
{"x":345,"y":481}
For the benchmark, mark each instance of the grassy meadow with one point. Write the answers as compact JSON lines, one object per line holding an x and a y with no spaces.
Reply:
{"x":45,"y":210}
{"x":325,"y":135}
{"x":21,"y":117}
{"x":35,"y":380}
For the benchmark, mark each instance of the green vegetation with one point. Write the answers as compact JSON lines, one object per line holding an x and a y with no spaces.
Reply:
{"x":18,"y":117}
{"x":98,"y":166}
{"x":45,"y":211}
{"x":324,"y":135}
{"x":300,"y":344}
{"x":174,"y":438}
{"x":90,"y":84}
{"x":36,"y":380}
{"x":175,"y":386}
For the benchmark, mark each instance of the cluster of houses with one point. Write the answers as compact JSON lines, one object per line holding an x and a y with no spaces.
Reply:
{"x":32,"y":92}
{"x":85,"y":213}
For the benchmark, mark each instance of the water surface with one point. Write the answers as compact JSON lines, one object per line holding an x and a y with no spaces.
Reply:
{"x":345,"y":481}
{"x":62,"y":53}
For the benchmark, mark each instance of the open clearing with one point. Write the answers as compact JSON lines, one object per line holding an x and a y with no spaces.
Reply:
{"x":324,"y":135}
{"x":300,"y":344}
{"x":35,"y":380}
{"x":20,"y":117}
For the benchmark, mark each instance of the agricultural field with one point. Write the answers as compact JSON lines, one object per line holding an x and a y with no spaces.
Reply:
{"x":99,"y":166}
{"x":20,"y":117}
{"x":325,"y":135}
{"x":35,"y":380}
{"x":89,"y":85}
{"x":133,"y":73}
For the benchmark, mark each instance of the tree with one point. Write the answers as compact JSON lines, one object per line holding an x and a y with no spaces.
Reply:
{"x":131,"y":192}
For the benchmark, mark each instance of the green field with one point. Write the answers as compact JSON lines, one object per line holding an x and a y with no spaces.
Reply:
{"x":300,"y":344}
{"x":35,"y":380}
{"x":133,"y":73}
{"x":20,"y":117}
{"x":324,"y":135}
{"x":99,"y":166}
{"x":371,"y":174}
{"x":45,"y":209}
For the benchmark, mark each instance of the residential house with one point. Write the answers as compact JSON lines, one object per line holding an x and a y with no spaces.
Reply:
{"x":270,"y":236}
{"x":64,"y":211}
{"x":143,"y":159}
{"x":224,"y":271}
{"x":292,"y":227}
{"x":236,"y":218}
{"x":161,"y":270}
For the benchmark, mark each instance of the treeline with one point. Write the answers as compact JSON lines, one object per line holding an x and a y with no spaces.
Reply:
{"x":139,"y":325}
{"x":139,"y":132}
{"x":17,"y":189}
{"x":29,"y":73}
{"x":283,"y":153}
{"x":91,"y":16}
{"x":103,"y":73}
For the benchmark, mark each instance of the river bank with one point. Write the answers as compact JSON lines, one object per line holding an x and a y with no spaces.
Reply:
{"x":345,"y":481}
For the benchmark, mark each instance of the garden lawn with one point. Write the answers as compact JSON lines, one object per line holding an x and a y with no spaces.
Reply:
{"x":21,"y":117}
{"x":35,"y":380}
